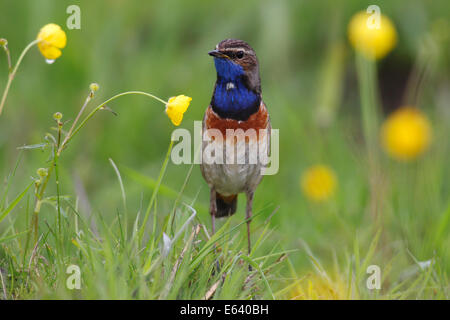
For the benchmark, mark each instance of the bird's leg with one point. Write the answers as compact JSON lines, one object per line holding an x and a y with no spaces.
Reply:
{"x":213,"y":209}
{"x":248,"y":216}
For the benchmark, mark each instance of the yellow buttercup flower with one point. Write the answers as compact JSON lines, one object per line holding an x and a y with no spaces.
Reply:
{"x":317,"y":287}
{"x":51,"y":40}
{"x":318,"y":183}
{"x":374,"y":42}
{"x":176,"y":107}
{"x":406,"y":134}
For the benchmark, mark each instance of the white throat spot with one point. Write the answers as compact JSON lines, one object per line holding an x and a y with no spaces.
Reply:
{"x":230,"y":85}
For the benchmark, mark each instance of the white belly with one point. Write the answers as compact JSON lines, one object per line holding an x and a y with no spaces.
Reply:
{"x":239,"y":171}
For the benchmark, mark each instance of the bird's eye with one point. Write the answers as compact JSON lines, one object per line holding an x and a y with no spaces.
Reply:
{"x":240,"y":54}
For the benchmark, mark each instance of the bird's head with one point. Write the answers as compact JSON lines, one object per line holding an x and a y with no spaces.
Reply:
{"x":236,"y":59}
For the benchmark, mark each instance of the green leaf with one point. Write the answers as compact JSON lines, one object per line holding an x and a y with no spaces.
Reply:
{"x":14,"y":203}
{"x":13,"y":236}
{"x":33,"y":146}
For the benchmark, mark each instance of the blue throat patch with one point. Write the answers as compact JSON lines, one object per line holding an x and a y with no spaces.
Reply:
{"x":232,"y":99}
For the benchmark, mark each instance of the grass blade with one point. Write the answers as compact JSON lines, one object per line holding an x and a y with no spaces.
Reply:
{"x":13,"y":204}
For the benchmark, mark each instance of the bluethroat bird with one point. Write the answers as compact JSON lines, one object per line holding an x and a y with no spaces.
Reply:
{"x":236,"y":104}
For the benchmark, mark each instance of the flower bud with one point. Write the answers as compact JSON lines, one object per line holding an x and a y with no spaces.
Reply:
{"x":57,"y":116}
{"x":94,"y":86}
{"x":42,"y":172}
{"x":3,"y":42}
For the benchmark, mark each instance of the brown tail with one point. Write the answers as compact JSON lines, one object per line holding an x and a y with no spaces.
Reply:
{"x":226,"y":206}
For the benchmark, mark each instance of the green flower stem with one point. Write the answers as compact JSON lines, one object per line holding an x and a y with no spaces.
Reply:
{"x":155,"y":190}
{"x":100,"y":106}
{"x":13,"y":73}
{"x":89,"y":97}
{"x":55,"y":164}
{"x":37,"y":207}
{"x":8,"y":57}
{"x":367,"y":80}
{"x":366,"y":71}
{"x":35,"y":219}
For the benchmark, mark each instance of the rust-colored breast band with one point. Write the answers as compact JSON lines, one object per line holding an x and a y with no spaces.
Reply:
{"x":258,"y":120}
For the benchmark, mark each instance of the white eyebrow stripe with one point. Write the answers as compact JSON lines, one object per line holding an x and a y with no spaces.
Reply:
{"x":236,"y":49}
{"x":232,"y":49}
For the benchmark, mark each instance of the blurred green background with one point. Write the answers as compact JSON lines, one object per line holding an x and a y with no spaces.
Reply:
{"x":309,"y":85}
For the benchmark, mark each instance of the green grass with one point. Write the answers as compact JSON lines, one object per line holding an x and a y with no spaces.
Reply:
{"x":118,"y":201}
{"x":175,"y":258}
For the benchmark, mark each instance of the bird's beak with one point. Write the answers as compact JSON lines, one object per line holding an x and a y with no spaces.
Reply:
{"x":217,"y":54}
